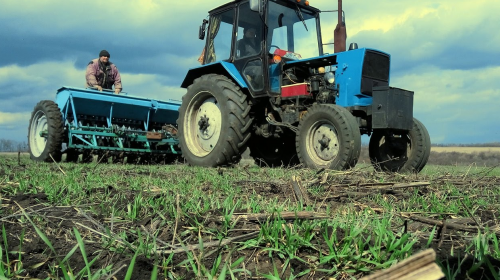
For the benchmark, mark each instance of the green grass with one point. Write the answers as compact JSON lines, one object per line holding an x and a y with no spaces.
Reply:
{"x":127,"y":214}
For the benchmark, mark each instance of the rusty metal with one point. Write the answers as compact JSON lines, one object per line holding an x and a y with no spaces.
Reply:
{"x":170,"y":129}
{"x":154,"y":135}
{"x":340,"y":34}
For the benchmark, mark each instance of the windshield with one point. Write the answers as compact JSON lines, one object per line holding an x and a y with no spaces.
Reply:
{"x":292,"y":29}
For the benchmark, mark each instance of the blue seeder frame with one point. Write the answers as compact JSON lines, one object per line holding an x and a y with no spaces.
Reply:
{"x":76,"y":102}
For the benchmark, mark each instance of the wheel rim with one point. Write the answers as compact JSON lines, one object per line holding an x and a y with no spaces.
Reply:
{"x":391,"y":154}
{"x":203,"y":124}
{"x":37,"y":142}
{"x":322,"y":142}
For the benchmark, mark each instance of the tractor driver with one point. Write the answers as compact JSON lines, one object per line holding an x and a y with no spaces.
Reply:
{"x":103,"y":74}
{"x":249,"y":44}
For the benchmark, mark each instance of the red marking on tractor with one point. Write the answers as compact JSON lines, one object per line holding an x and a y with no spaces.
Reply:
{"x":299,"y":89}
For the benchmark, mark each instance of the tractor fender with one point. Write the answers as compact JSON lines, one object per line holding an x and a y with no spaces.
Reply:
{"x":221,"y":67}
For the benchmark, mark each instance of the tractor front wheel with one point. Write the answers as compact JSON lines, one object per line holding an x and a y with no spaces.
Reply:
{"x":214,"y":122}
{"x":328,"y":138}
{"x":45,"y":133}
{"x":400,"y":152}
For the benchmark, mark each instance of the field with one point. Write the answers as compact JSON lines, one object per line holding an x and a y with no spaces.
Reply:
{"x":466,"y":150}
{"x":113,"y":221}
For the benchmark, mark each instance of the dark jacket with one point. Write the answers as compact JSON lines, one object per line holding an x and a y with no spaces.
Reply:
{"x":104,"y":75}
{"x":248,"y":47}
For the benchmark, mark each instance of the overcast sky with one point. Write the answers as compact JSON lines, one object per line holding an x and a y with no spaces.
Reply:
{"x":446,"y":51}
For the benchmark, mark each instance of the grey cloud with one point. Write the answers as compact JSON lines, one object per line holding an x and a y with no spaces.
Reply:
{"x":417,"y":42}
{"x":133,"y":49}
{"x":15,"y":132}
{"x":23,"y":99}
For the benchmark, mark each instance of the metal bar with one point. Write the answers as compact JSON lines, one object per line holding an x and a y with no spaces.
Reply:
{"x":173,"y":150}
{"x":110,"y":115}
{"x":121,"y":149}
{"x":141,"y":138}
{"x":96,"y":133}
{"x":75,"y":121}
{"x":137,"y":138}
{"x":93,"y":127}
{"x":66,"y":111}
{"x":147,"y":122}
{"x":120,"y":143}
{"x":340,"y":14}
{"x":147,"y":126}
{"x":83,"y":140}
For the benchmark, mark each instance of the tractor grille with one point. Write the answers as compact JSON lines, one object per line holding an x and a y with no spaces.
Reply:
{"x":376,"y":66}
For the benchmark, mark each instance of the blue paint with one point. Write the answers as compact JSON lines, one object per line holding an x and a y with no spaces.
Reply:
{"x":220,"y":67}
{"x":347,"y":76}
{"x":109,"y":105}
{"x":275,"y":78}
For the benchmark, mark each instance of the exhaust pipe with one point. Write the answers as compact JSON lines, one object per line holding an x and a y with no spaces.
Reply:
{"x":340,"y":35}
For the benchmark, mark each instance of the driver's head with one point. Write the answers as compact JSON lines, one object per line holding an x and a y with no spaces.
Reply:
{"x":249,"y":32}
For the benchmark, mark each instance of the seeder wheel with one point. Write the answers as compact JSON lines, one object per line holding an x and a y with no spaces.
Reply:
{"x":45,"y":132}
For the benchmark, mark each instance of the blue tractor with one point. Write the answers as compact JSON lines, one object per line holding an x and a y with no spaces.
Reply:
{"x":287,"y":100}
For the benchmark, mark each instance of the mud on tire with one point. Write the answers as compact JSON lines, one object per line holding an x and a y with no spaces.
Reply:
{"x":214,"y":122}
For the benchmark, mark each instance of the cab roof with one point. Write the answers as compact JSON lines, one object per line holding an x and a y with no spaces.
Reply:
{"x":236,"y":2}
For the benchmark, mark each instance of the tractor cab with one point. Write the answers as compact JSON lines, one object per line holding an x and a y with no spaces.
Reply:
{"x":257,"y":36}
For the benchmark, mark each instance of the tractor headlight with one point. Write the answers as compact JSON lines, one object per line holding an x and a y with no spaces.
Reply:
{"x":330,"y":77}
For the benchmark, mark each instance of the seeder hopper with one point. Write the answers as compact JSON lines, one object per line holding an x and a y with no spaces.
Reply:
{"x":88,"y":122}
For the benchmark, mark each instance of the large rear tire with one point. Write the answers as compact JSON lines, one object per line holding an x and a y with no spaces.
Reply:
{"x":328,"y":138}
{"x":214,"y":122}
{"x":45,"y":133}
{"x":405,"y":152}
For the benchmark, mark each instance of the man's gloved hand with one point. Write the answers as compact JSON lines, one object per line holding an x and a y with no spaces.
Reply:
{"x":117,"y":90}
{"x":99,"y":88}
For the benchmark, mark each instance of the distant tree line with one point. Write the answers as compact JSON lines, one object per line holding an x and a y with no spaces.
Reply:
{"x":488,"y":159}
{"x":492,"y":144}
{"x":13,"y":146}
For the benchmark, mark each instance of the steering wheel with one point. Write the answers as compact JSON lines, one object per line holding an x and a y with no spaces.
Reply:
{"x":274,"y":46}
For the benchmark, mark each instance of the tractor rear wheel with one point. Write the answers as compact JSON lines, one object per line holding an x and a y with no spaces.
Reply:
{"x":328,"y":138}
{"x":214,"y":122}
{"x":403,"y":152}
{"x":45,"y":133}
{"x":274,"y":152}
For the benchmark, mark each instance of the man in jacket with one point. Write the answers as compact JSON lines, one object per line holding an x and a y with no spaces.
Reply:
{"x":248,"y":45}
{"x":103,"y":74}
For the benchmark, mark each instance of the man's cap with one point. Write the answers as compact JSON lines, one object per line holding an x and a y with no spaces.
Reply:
{"x":104,"y":53}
